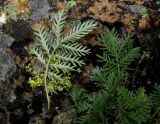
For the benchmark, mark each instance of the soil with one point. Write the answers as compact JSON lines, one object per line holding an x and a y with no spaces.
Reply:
{"x":19,"y":103}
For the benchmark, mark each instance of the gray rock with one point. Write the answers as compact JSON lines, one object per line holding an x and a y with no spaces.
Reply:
{"x":6,"y":93}
{"x":65,"y":117}
{"x":6,"y":41}
{"x":135,"y":8}
{"x":7,"y":66}
{"x":39,"y":9}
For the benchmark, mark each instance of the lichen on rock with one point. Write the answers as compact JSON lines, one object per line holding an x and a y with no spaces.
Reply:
{"x":7,"y":66}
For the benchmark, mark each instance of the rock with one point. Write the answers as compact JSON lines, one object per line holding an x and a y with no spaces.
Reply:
{"x":19,"y":116}
{"x":20,"y":29}
{"x":39,"y":9}
{"x":7,"y":66}
{"x":65,"y":117}
{"x":5,"y":41}
{"x":36,"y":120}
{"x":7,"y":69}
{"x":2,"y":118}
{"x":135,"y":8}
{"x":6,"y":93}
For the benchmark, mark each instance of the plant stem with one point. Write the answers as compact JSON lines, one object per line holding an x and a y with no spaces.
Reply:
{"x":46,"y":74}
{"x":45,"y":81}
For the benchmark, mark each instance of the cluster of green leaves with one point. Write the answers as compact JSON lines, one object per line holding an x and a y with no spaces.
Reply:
{"x":155,"y":98}
{"x":113,"y":103}
{"x":12,"y":13}
{"x":61,"y":56}
{"x":144,"y":11}
{"x":71,"y":3}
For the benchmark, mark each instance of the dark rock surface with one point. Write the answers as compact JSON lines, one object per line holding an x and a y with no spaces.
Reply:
{"x":6,"y":41}
{"x":2,"y":118}
{"x":7,"y":66}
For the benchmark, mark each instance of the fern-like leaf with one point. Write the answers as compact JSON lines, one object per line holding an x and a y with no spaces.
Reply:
{"x":63,"y":56}
{"x":79,"y":31}
{"x":69,"y":58}
{"x":82,"y":119}
{"x":77,"y":94}
{"x":156,"y":97}
{"x":59,"y":24}
{"x":129,"y":57}
{"x":39,"y":55}
{"x":56,"y":75}
{"x":132,"y":108}
{"x":65,"y":67}
{"x":109,"y":41}
{"x":75,"y":49}
{"x":42,"y":38}
{"x":111,"y":102}
{"x":83,"y":106}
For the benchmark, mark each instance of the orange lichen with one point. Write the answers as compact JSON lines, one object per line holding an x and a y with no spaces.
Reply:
{"x":106,"y":11}
{"x":60,"y":5}
{"x":21,"y":6}
{"x":110,"y":11}
{"x":144,"y":23}
{"x":42,"y":24}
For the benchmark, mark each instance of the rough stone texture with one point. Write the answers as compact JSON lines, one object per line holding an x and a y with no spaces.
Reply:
{"x":7,"y":66}
{"x":36,"y":120}
{"x":20,"y":29}
{"x":6,"y":94}
{"x":135,"y":8}
{"x":5,"y":41}
{"x":2,"y":118}
{"x":38,"y":9}
{"x":29,"y":109}
{"x":64,"y":117}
